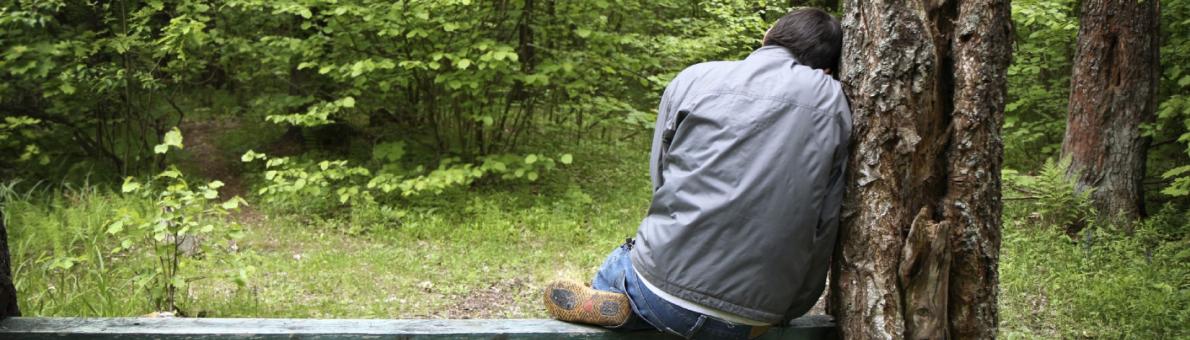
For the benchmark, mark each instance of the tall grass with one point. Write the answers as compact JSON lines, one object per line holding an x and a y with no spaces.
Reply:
{"x":61,"y":258}
{"x":1103,"y":282}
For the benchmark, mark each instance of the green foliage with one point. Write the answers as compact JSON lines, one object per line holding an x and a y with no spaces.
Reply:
{"x":103,"y":80}
{"x":1039,"y":81}
{"x":184,"y":222}
{"x":1106,"y":285}
{"x":299,"y":184}
{"x":61,"y":259}
{"x":427,"y":259}
{"x":1050,"y":198}
{"x":1066,"y":274}
{"x":388,"y":127}
{"x":88,"y":251}
{"x":1171,"y":131}
{"x":459,"y":79}
{"x":17,"y":134}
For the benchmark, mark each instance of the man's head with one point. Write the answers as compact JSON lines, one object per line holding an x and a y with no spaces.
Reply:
{"x":814,"y":37}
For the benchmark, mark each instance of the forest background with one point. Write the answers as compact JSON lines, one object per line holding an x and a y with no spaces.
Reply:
{"x":442,"y":159}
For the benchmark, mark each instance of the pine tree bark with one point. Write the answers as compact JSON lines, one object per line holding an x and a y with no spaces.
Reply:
{"x":8,"y":292}
{"x":1113,"y":90}
{"x":920,"y":238}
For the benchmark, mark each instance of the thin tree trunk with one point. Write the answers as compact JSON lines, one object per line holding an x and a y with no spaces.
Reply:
{"x":920,"y":237}
{"x":1113,"y":92}
{"x":8,"y":292}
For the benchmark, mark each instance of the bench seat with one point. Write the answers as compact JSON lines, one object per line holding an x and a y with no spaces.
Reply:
{"x":809,"y":327}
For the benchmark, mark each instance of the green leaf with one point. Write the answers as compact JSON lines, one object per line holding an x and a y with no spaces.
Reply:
{"x":171,"y":173}
{"x":174,"y":138}
{"x":232,"y":204}
{"x":1178,"y":171}
{"x":116,"y":227}
{"x":530,"y":159}
{"x":130,"y":185}
{"x":462,"y":64}
{"x":566,"y":159}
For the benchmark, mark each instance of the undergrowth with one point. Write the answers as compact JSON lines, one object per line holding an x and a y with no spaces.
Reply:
{"x":1097,"y":281}
{"x":494,"y":244}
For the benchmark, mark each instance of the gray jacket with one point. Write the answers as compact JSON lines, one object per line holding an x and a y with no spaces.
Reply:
{"x":747,"y":168}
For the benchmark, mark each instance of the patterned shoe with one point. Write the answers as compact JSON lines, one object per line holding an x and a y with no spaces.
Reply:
{"x":568,"y":300}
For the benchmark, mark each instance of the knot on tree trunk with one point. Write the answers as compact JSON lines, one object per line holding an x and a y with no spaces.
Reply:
{"x":923,"y":275}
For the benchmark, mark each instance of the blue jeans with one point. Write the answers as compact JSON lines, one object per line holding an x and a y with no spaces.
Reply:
{"x":650,"y":311}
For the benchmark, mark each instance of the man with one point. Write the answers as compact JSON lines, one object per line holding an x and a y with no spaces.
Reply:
{"x":747,"y":169}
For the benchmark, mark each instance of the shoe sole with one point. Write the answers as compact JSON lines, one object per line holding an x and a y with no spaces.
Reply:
{"x":572,"y":301}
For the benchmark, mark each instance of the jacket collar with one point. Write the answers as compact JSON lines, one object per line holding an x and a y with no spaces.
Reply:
{"x":773,"y":52}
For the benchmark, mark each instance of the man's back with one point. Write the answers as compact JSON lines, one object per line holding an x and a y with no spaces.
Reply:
{"x":747,"y":169}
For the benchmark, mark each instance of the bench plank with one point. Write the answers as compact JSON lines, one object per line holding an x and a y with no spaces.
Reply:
{"x":813,"y":327}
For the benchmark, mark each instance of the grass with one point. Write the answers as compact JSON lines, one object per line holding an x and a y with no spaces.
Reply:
{"x":467,"y":253}
{"x":1110,"y":286}
{"x":61,"y":262}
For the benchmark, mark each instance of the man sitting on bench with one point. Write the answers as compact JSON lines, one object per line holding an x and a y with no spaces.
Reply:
{"x":747,"y":169}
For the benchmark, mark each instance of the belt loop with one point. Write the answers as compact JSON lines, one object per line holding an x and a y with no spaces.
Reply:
{"x":697,"y":326}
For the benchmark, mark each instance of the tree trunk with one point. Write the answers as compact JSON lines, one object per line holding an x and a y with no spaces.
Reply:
{"x":920,"y":238}
{"x":8,"y":292}
{"x":1113,"y":91}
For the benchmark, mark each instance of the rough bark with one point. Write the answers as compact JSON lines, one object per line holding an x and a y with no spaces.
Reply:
{"x":8,"y":292}
{"x":1113,"y":91}
{"x":920,"y":236}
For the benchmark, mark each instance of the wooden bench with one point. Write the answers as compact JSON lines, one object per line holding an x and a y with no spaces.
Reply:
{"x":809,"y":327}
